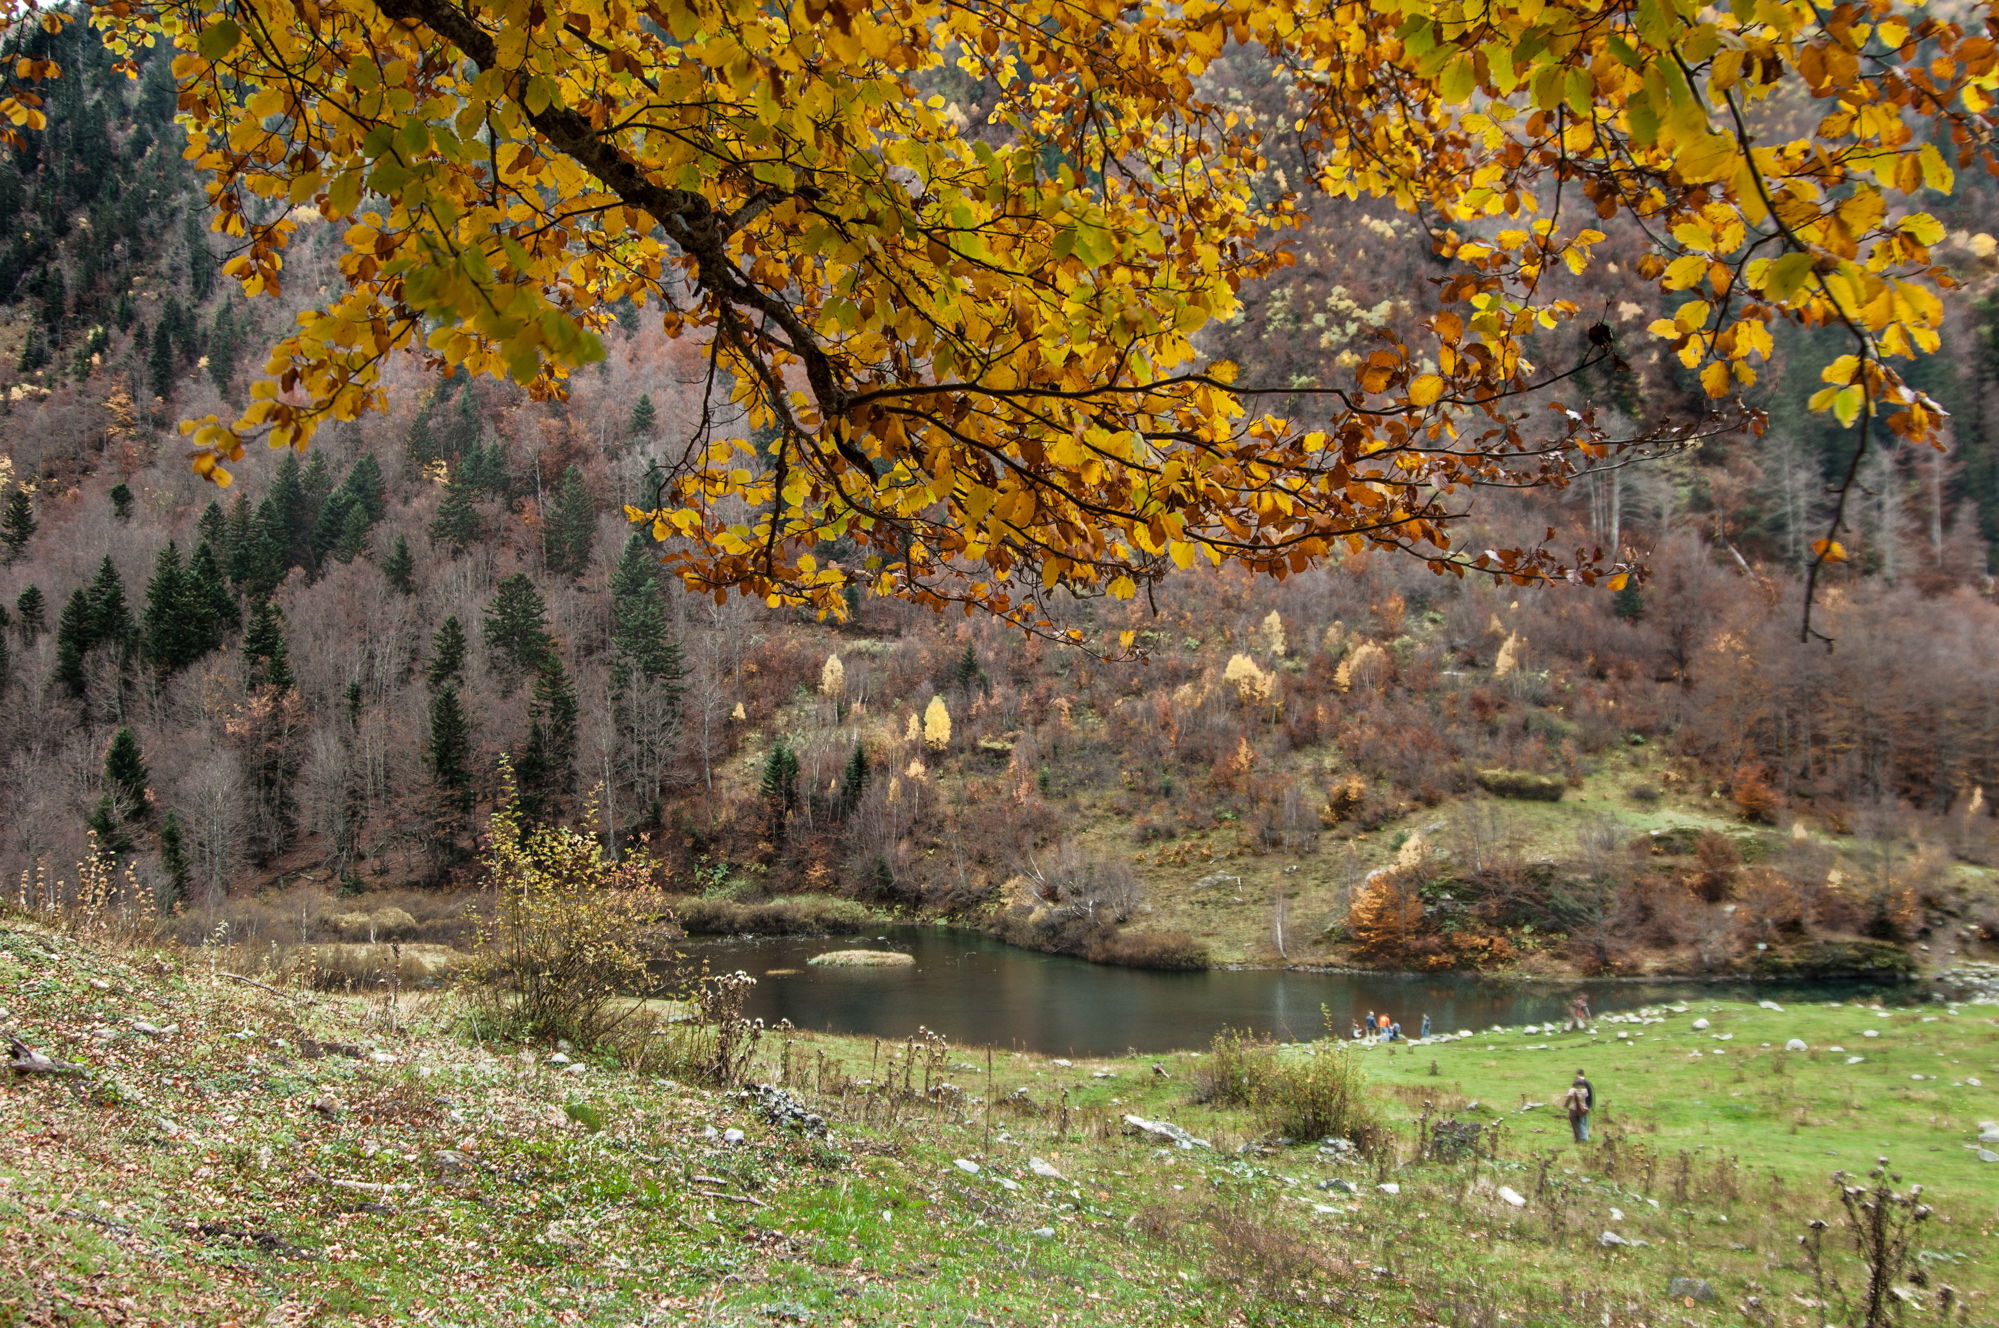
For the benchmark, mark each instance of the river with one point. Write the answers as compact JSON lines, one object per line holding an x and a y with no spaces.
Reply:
{"x":976,"y":991}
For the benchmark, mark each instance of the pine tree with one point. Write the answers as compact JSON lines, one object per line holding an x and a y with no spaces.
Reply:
{"x":516,"y":627}
{"x":6,"y":664}
{"x":257,"y":549}
{"x":400,"y":568}
{"x":109,"y":828}
{"x":75,"y":635}
{"x":638,"y":620}
{"x":31,"y":615}
{"x":174,"y":637}
{"x":214,"y":525}
{"x":210,"y":601}
{"x":294,"y":509}
{"x":457,"y":525}
{"x":460,"y":433}
{"x":447,"y":654}
{"x":125,"y":773}
{"x":266,"y":662}
{"x":645,"y":419}
{"x":1629,"y":602}
{"x":778,"y":787}
{"x":224,"y":345}
{"x":421,"y":445}
{"x":121,"y":501}
{"x":34,"y":351}
{"x":331,"y":524}
{"x":173,"y":860}
{"x":854,"y":780}
{"x":571,"y":527}
{"x":353,"y":541}
{"x":17,"y":523}
{"x":110,"y":620}
{"x":364,"y":483}
{"x":160,"y":364}
{"x":485,"y":467}
{"x":553,"y":735}
{"x":450,"y":748}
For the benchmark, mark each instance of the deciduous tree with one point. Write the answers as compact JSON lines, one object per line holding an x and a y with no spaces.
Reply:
{"x":963,"y":334}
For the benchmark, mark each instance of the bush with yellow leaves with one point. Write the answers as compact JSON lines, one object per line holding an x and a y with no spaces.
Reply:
{"x":570,"y":936}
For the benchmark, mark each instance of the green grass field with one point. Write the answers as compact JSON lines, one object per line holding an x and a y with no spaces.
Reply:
{"x":287,"y":1157}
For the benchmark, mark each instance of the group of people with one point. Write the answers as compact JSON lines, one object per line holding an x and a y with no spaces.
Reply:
{"x":1381,"y":1028}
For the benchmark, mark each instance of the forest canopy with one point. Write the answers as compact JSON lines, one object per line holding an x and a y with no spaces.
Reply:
{"x":953,"y":262}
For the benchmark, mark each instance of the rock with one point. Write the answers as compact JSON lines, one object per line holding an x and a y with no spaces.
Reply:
{"x":1166,"y":1130}
{"x":1796,"y":1044}
{"x":1512,"y":1196}
{"x":1059,"y":1061}
{"x":966,"y":1165}
{"x":1988,"y":1135}
{"x":449,"y":1159}
{"x":558,"y":1058}
{"x":1046,"y":1233}
{"x":1102,"y":1074}
{"x":1701,"y":1025}
{"x":1768,"y":1005}
{"x":1617,"y":1214}
{"x":1610,"y":1240}
{"x":141,"y":1026}
{"x":1160,"y":1070}
{"x":381,"y":1058}
{"x":1389,"y":1187}
{"x":1855,"y":1060}
{"x":732,"y":1136}
{"x":1987,"y":1155}
{"x":1871,"y":1032}
{"x":1691,"y":1288}
{"x":577,"y":1068}
{"x":1043,"y":1168}
{"x":782,"y":1109}
{"x":1006,"y":1184}
{"x":1340,"y":1185}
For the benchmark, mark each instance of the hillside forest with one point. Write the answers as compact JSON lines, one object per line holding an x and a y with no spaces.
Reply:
{"x":272,"y":706}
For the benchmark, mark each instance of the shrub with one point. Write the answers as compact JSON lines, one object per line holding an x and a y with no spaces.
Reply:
{"x":1232,"y":1072}
{"x":1522,"y":784}
{"x":1172,"y":951}
{"x":799,"y":915}
{"x":1319,"y":1096}
{"x":571,"y":936}
{"x":1837,"y":959}
{"x":1755,"y":800}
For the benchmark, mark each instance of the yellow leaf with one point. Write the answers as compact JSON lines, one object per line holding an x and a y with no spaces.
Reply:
{"x":1425,"y":389}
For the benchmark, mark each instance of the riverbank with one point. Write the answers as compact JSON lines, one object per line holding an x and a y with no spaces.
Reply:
{"x":281,"y":1156}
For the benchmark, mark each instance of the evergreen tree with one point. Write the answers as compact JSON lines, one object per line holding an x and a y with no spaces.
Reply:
{"x":638,"y":620}
{"x":485,"y":467}
{"x":645,"y":419}
{"x":173,"y":860}
{"x":457,"y":525}
{"x":200,"y":261}
{"x":121,"y":501}
{"x":778,"y":787}
{"x":174,"y":635}
{"x":210,"y":602}
{"x":17,"y":523}
{"x":1629,"y":602}
{"x":570,"y":528}
{"x":110,"y":619}
{"x":75,"y":635}
{"x":400,"y":568}
{"x":421,"y":445}
{"x":516,"y":627}
{"x":6,"y":663}
{"x":364,"y":484}
{"x":352,"y":698}
{"x":450,"y":748}
{"x":160,"y":363}
{"x":293,"y":509}
{"x":255,"y":554}
{"x":266,"y":662}
{"x":548,"y":769}
{"x":854,"y":780}
{"x":109,"y":828}
{"x":225,"y":343}
{"x":214,"y":525}
{"x":31,"y":614}
{"x":459,"y":433}
{"x":125,"y":773}
{"x":35,"y":352}
{"x":353,"y":541}
{"x":447,"y":654}
{"x":331,"y":525}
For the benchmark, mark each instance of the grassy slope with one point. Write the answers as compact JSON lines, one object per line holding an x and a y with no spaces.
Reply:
{"x":129,"y":1184}
{"x":1237,"y":924}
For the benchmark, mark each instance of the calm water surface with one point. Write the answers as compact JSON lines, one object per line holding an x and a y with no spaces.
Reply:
{"x":976,"y":991}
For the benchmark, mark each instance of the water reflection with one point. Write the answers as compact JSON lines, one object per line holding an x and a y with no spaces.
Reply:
{"x":977,"y":991}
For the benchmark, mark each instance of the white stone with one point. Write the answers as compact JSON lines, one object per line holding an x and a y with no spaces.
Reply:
{"x":1855,"y":1060}
{"x":1796,"y":1044}
{"x":732,"y":1136}
{"x":1771,"y":1005}
{"x":1512,"y":1196}
{"x":1389,"y":1187}
{"x":1046,"y":1233}
{"x":966,"y":1165}
{"x":1006,"y":1184}
{"x":1611,"y":1240}
{"x":558,"y":1058}
{"x":1700,"y":1025}
{"x":1042,"y":1167}
{"x":381,"y":1058}
{"x":1871,"y":1033}
{"x":577,"y":1068}
{"x":1987,"y":1155}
